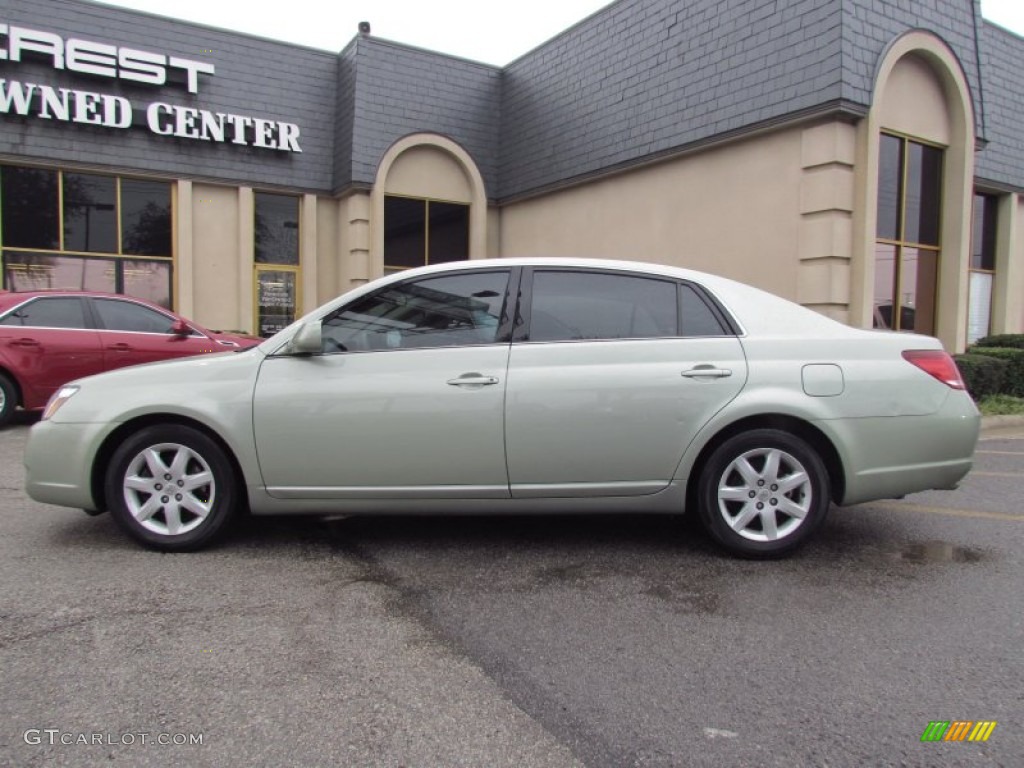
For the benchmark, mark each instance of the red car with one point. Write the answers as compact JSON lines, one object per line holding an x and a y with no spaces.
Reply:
{"x":48,"y":338}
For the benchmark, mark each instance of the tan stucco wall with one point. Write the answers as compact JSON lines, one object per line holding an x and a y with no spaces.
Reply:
{"x":914,"y":102}
{"x":921,"y":92}
{"x":1008,"y":289}
{"x":733,"y":210}
{"x":428,"y":171}
{"x":215,"y":281}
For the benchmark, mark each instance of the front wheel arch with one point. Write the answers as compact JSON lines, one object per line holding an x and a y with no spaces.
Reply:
{"x":98,"y":474}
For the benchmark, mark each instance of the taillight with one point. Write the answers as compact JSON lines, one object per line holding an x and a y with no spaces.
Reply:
{"x":936,"y":363}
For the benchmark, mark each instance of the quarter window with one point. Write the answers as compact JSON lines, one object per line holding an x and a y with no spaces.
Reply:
{"x":576,"y":306}
{"x":698,"y":318}
{"x":454,"y":310}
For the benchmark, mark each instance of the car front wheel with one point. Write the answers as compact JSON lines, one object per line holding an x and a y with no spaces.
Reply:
{"x":8,"y":400}
{"x":171,"y":488}
{"x":763,"y":493}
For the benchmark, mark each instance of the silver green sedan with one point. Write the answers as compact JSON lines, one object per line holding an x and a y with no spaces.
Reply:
{"x":519,"y":386}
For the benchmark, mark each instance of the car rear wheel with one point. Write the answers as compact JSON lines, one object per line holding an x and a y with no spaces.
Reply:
{"x":171,"y":487}
{"x":763,"y":493}
{"x":8,"y":400}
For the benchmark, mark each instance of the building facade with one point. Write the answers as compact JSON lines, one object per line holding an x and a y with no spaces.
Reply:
{"x":862,"y":157}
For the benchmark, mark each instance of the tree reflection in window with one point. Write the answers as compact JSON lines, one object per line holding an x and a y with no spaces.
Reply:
{"x":446,"y":311}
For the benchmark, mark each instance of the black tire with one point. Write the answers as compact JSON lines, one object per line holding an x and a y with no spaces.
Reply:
{"x":763,"y":493}
{"x":8,"y":400}
{"x":187,"y":508}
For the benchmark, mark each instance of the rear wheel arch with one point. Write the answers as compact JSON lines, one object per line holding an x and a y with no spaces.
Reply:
{"x":98,"y":473}
{"x":785,"y":423}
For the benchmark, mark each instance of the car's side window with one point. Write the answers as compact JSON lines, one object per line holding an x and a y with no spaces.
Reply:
{"x":697,"y":317}
{"x":573,"y":306}
{"x":453,"y":310}
{"x":49,"y":313}
{"x":116,"y":315}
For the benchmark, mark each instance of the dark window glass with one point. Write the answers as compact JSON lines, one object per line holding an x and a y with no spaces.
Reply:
{"x":31,"y":213}
{"x":697,"y":317}
{"x":890,"y":173}
{"x":568,"y":306}
{"x":448,"y":232}
{"x":42,"y":271}
{"x":90,"y":213}
{"x":983,"y":253}
{"x":453,"y":310}
{"x":277,"y":229}
{"x":145,"y":217}
{"x":116,"y":315}
{"x":418,"y":232}
{"x":405,"y":232}
{"x":49,"y":313}
{"x":923,"y":190}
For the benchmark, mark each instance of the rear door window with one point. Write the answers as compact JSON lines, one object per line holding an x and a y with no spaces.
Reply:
{"x":57,"y":312}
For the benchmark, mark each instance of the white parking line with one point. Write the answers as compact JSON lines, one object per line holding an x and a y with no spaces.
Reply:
{"x":1002,"y":453}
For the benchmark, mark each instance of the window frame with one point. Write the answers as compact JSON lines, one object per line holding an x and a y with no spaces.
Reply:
{"x":261,"y":267}
{"x":900,"y":244}
{"x":426,"y":201}
{"x":993,"y":199}
{"x":117,"y":258}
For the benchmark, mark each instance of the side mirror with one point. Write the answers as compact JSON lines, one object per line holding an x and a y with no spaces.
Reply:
{"x":180,"y":328}
{"x":307,"y":340}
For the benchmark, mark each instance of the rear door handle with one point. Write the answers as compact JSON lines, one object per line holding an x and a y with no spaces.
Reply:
{"x":707,"y":372}
{"x":473,"y":380}
{"x":23,"y":343}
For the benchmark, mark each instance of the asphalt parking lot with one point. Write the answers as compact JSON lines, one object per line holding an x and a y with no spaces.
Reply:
{"x":604,"y":642}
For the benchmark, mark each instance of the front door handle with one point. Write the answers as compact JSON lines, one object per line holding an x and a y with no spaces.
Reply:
{"x":706,"y":371}
{"x":473,"y":380}
{"x":24,"y":343}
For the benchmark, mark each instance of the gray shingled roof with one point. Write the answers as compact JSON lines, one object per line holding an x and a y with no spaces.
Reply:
{"x":1002,"y":161}
{"x":644,"y":77}
{"x":637,"y":80}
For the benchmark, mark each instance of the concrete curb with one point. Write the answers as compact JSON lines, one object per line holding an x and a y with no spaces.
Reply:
{"x":993,"y":423}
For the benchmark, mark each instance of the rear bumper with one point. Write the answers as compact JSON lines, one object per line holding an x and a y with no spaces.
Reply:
{"x":886,"y":457}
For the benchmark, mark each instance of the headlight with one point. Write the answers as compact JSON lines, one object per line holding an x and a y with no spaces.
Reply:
{"x":58,"y":399}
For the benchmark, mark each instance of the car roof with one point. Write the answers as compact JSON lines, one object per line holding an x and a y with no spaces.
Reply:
{"x":751,"y":307}
{"x":12,"y":298}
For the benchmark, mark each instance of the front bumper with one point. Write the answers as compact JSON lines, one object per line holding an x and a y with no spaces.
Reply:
{"x":58,"y":463}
